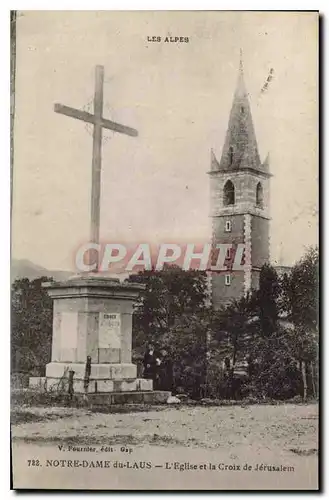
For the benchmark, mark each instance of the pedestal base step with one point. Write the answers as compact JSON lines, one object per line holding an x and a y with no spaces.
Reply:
{"x":99,"y":386}
{"x":103,"y":399}
{"x":61,"y":385}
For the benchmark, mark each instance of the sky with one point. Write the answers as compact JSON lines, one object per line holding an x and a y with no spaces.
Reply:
{"x":155,"y":187}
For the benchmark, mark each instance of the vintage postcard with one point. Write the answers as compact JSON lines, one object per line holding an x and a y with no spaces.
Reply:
{"x":164,"y":250}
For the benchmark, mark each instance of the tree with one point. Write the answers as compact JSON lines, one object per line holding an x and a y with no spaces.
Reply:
{"x":231,"y":327}
{"x":250,"y":330}
{"x":172,"y":314}
{"x":300,"y":291}
{"x":267,"y":300}
{"x":186,"y":344}
{"x":168,"y":295}
{"x":273,"y":372}
{"x":31,"y":326}
{"x":285,"y":330}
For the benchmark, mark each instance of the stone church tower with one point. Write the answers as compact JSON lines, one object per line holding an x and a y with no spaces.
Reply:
{"x":239,"y":187}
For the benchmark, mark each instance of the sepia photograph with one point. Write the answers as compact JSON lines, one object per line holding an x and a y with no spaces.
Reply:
{"x":164,"y":250}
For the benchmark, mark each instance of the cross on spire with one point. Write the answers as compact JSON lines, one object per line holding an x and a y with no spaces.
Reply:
{"x":241,"y":61}
{"x":99,"y":122}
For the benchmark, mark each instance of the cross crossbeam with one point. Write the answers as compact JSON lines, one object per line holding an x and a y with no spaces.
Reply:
{"x":89,"y":118}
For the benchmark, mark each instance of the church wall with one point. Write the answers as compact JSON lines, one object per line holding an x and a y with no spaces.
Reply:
{"x":236,"y":233}
{"x":221,"y":293}
{"x":255,"y":280}
{"x":245,"y":184}
{"x":260,"y":241}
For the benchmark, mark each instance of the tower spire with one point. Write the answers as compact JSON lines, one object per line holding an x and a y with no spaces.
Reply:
{"x":240,"y":147}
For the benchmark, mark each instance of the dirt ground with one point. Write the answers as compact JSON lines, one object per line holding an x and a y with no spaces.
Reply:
{"x":258,"y":434}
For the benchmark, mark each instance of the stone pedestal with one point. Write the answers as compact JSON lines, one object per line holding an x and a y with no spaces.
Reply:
{"x":93,"y":317}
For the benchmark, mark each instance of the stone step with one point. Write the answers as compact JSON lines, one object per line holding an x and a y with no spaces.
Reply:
{"x":98,"y":386}
{"x":110,"y":398}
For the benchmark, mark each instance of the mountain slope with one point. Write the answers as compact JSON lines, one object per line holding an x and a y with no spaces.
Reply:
{"x":24,"y":268}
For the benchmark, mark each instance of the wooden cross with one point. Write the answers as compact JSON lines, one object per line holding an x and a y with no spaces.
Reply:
{"x":99,"y":123}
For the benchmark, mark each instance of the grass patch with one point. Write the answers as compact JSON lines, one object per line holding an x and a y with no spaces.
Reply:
{"x":21,"y":415}
{"x":24,"y":417}
{"x":126,"y":439}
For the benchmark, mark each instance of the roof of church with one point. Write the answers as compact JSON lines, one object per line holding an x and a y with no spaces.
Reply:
{"x":240,"y":149}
